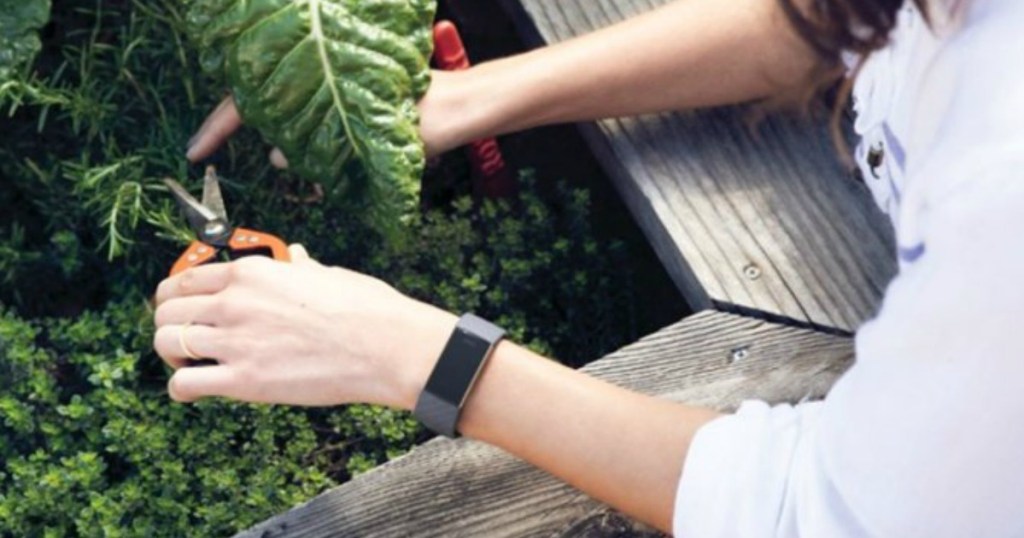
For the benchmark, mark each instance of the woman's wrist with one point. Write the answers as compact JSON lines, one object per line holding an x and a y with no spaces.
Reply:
{"x":449,"y":112}
{"x":486,"y":100}
{"x":417,"y":349}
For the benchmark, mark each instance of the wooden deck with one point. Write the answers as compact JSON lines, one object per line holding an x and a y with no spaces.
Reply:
{"x":767,"y":224}
{"x":780,"y":254}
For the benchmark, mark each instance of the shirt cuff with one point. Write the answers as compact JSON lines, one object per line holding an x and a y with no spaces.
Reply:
{"x":736,"y":472}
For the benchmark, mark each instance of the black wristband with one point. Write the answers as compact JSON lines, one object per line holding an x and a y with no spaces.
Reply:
{"x":468,"y":348}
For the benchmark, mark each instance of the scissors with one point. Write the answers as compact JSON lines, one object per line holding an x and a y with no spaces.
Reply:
{"x":215,"y":234}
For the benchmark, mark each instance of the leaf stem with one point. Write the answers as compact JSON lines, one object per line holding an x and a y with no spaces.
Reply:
{"x":317,"y":30}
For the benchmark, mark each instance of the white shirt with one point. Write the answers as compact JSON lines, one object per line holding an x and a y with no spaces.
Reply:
{"x":924,"y":435}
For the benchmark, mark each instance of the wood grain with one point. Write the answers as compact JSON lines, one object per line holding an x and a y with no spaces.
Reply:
{"x":449,"y":488}
{"x":764,"y":221}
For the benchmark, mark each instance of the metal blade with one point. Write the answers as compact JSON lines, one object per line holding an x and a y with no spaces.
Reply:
{"x":212,"y":198}
{"x":197,"y":214}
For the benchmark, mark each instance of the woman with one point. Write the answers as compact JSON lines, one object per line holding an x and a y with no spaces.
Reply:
{"x":922,"y":437}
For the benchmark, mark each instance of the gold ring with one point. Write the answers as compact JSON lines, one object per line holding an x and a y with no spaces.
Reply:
{"x":184,"y":344}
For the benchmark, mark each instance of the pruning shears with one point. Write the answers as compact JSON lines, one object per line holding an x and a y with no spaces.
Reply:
{"x":215,"y":234}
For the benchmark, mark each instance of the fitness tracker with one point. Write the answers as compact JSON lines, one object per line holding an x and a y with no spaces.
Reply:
{"x":463,"y":358}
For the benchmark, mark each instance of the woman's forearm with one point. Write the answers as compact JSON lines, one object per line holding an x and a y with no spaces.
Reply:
{"x":687,"y":54}
{"x":303,"y":334}
{"x":620,"y":447}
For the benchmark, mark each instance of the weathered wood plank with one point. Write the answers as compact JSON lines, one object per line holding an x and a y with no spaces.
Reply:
{"x":451,"y":488}
{"x":768,"y":222}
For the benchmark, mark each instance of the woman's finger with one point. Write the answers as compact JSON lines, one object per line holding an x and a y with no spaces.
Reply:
{"x":178,"y":344}
{"x":190,"y":384}
{"x":198,"y":309}
{"x":219,"y":126}
{"x":277,"y":159}
{"x":209,"y":118}
{"x":202,"y":280}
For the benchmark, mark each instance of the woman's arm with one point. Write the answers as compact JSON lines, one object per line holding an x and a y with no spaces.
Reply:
{"x":687,"y":54}
{"x":620,"y":447}
{"x":306,"y":334}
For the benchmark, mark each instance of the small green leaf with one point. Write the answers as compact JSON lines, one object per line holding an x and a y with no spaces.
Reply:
{"x":20,"y":20}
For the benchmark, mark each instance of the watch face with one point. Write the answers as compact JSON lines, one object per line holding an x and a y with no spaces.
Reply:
{"x":461,"y":359}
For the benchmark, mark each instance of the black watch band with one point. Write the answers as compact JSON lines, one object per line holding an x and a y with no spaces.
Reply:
{"x":469,"y":347}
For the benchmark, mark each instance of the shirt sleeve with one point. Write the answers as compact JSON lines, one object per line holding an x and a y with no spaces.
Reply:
{"x":924,"y":435}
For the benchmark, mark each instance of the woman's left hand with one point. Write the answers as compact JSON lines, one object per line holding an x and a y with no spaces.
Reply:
{"x":295,"y":333}
{"x":445,"y":120}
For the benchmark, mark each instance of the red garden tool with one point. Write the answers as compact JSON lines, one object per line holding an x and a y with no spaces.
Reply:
{"x":214,"y":232}
{"x":493,"y":178}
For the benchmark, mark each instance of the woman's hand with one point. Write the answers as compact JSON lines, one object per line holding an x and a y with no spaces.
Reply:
{"x":443,"y":120}
{"x":295,"y":333}
{"x":217,"y":129}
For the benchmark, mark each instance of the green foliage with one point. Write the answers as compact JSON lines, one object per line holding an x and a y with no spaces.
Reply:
{"x":90,"y":445}
{"x":84,"y":140}
{"x":19,"y":22}
{"x":533,"y":266}
{"x":333,"y":83}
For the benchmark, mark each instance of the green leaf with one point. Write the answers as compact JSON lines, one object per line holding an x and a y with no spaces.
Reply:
{"x":20,"y":21}
{"x":333,"y":83}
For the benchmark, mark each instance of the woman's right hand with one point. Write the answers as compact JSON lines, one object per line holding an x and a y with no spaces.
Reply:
{"x":297,"y":333}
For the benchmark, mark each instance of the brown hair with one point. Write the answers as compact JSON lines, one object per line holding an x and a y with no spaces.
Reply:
{"x":832,"y":27}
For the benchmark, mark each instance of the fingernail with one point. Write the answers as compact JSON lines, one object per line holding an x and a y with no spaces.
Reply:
{"x":278,"y":160}
{"x":190,"y":152}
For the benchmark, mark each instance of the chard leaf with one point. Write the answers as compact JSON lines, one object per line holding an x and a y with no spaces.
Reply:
{"x":333,"y":83}
{"x":20,"y":21}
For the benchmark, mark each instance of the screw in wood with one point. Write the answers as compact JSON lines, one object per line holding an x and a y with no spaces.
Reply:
{"x":752,"y":271}
{"x":739,"y":353}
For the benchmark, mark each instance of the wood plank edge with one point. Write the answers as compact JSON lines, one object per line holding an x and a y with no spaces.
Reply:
{"x":747,"y":312}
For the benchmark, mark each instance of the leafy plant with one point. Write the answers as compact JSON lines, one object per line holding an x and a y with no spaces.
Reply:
{"x":19,"y":43}
{"x":331,"y":82}
{"x":90,"y":445}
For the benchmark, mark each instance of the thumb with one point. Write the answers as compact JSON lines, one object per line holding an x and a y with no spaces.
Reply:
{"x":190,"y":384}
{"x":277,"y":159}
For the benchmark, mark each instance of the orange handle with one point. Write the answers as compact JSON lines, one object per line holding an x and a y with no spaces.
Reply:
{"x":197,"y":254}
{"x":244,"y":240}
